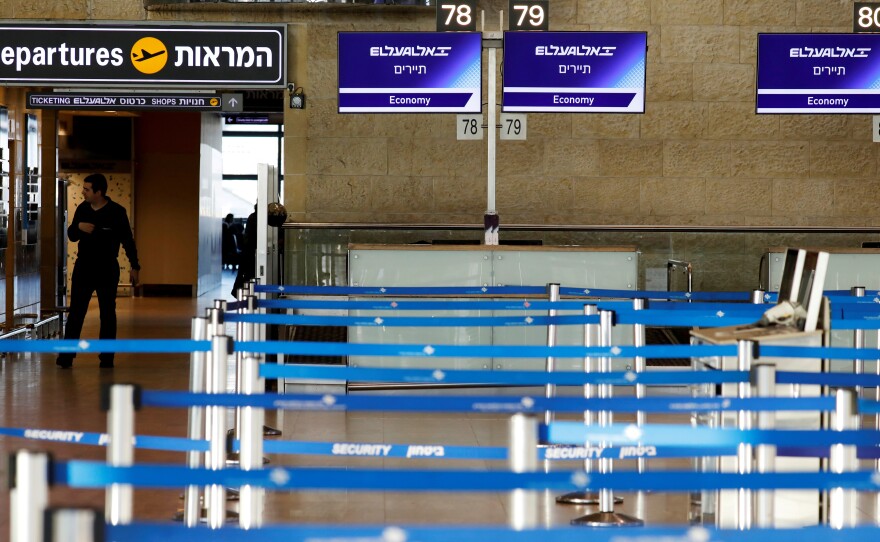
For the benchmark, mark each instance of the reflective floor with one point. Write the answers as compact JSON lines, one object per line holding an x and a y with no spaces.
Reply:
{"x":35,"y":394}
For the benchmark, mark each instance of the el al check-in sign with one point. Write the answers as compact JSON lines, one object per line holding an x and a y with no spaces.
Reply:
{"x":409,"y":72}
{"x":191,"y":56}
{"x":581,"y":72}
{"x":818,"y":73}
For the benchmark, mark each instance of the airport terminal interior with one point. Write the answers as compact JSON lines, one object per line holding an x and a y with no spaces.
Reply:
{"x":446,"y":214}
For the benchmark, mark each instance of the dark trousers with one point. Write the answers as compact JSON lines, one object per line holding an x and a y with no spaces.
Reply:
{"x":88,"y":279}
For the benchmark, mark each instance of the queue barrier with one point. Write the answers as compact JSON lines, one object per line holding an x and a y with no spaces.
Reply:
{"x":582,"y":480}
{"x":148,"y":532}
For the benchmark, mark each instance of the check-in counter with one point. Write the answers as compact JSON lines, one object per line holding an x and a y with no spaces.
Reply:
{"x":792,"y":508}
{"x":847,"y":267}
{"x":478,"y":265}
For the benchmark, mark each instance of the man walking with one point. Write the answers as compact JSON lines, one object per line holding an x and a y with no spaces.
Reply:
{"x":99,"y":225}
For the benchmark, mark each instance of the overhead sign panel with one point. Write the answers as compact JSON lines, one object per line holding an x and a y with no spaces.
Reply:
{"x":581,"y":72}
{"x":98,"y":55}
{"x":818,"y":73}
{"x":125,"y":101}
{"x":409,"y":72}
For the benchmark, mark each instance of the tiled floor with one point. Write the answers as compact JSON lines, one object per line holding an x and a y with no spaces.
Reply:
{"x":36,"y":394}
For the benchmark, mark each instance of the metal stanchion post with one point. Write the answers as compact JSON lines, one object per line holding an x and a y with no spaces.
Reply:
{"x":215,"y":494}
{"x":858,"y":340}
{"x":120,"y":401}
{"x":763,"y":378}
{"x":195,"y":424}
{"x":233,"y":457}
{"x":744,"y":358}
{"x":250,"y":335}
{"x":550,"y":365}
{"x":640,"y":366}
{"x":606,"y":516}
{"x":591,"y":338}
{"x":251,"y":509}
{"x":758,"y":296}
{"x":842,"y":503}
{"x":73,"y":525}
{"x":522,"y":456}
{"x":28,"y":495}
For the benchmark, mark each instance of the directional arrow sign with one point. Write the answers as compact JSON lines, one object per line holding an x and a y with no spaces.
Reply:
{"x":233,"y":103}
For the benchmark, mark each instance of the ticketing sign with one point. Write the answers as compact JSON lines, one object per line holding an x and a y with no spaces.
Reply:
{"x":581,"y":72}
{"x":410,"y":72}
{"x":147,"y":55}
{"x":818,"y":73}
{"x":124,"y":102}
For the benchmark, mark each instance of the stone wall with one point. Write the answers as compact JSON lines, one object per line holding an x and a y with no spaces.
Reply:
{"x":698,"y":156}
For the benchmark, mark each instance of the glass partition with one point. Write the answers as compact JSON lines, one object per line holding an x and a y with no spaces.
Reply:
{"x":721,"y":259}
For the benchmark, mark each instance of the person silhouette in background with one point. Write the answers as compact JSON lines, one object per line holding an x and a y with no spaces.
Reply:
{"x":99,"y":226}
{"x":247,"y":265}
{"x":231,"y":245}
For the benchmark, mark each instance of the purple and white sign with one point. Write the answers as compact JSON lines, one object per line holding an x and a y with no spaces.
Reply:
{"x":410,"y":72}
{"x":580,"y":72}
{"x":818,"y":73}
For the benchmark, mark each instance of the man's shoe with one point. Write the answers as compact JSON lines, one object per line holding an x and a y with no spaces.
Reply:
{"x":64,"y":363}
{"x":106,"y":364}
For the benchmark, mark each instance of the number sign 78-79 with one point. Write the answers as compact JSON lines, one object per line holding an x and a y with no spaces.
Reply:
{"x":529,"y":14}
{"x":456,"y":15}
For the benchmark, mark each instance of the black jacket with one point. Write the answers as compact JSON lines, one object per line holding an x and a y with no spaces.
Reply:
{"x":111,"y":229}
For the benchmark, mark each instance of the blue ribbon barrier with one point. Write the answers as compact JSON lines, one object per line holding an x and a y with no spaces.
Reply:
{"x":452,"y":351}
{"x":186,"y":346}
{"x":670,"y":435}
{"x":653,"y":317}
{"x":501,"y":290}
{"x":839,"y":380}
{"x":150,"y":532}
{"x":173,"y":444}
{"x":402,"y":290}
{"x":138,"y":346}
{"x":90,"y":474}
{"x":501,"y":305}
{"x":492,"y":404}
{"x":454,"y":452}
{"x":435,"y":451}
{"x":403,"y":321}
{"x":564,"y":378}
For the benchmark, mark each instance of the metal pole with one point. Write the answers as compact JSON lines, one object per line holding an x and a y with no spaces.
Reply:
{"x":522,"y":456}
{"x":842,"y":503}
{"x":763,"y":377}
{"x":490,"y":159}
{"x":606,"y":516}
{"x":550,"y":365}
{"x":74,"y":525}
{"x":744,"y":358}
{"x":28,"y":495}
{"x":195,"y":428}
{"x":252,"y":498}
{"x":215,"y":495}
{"x":758,"y":296}
{"x":858,"y":340}
{"x":251,"y":330}
{"x":232,"y":457}
{"x":123,"y":401}
{"x":640,"y":366}
{"x":591,"y":338}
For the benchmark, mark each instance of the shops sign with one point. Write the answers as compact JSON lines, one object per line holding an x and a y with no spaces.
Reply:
{"x":142,"y":56}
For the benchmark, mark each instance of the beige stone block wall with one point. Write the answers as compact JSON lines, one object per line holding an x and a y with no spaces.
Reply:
{"x":699,"y":155}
